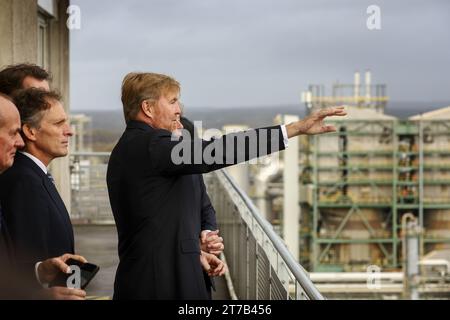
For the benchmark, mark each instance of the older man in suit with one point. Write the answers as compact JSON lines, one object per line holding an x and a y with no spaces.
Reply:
{"x":153,"y":194}
{"x":36,"y":225}
{"x":10,"y":142}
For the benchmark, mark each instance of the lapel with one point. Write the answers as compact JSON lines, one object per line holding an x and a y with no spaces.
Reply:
{"x":51,"y":190}
{"x":49,"y":186}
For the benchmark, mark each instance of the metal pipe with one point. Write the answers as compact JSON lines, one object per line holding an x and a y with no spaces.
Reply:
{"x":356,"y":87}
{"x":353,"y":276}
{"x":263,"y":178}
{"x":411,"y":232}
{"x":291,"y":199}
{"x":228,"y":280}
{"x":368,"y":81}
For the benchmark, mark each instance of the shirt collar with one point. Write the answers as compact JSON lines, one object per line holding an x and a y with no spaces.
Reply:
{"x":35,"y":160}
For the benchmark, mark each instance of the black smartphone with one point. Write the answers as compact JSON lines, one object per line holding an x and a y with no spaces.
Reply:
{"x":87,"y":270}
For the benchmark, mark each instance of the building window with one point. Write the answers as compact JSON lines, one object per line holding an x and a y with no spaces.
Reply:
{"x":43,"y":41}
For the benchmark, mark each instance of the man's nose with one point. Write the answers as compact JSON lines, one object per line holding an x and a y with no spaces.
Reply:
{"x":19,"y":143}
{"x":178,"y":108}
{"x":69,"y":131}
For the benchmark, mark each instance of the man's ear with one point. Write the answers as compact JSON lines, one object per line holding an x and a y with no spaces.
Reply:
{"x":147,"y":108}
{"x":29,"y":132}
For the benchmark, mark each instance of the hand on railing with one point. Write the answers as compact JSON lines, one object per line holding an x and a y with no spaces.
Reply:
{"x":212,"y":265}
{"x":210,"y":242}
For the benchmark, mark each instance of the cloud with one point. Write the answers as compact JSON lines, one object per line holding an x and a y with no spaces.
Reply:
{"x":253,"y":52}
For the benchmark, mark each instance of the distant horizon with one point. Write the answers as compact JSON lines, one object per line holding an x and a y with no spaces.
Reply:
{"x":260,"y":52}
{"x":427,"y":104}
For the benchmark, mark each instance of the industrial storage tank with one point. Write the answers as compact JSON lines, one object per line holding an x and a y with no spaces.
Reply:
{"x":359,"y":182}
{"x":356,"y":256}
{"x":435,"y":132}
{"x":354,"y":166}
{"x":361,"y":151}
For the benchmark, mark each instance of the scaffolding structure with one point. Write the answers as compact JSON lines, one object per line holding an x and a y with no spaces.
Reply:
{"x":358,"y":94}
{"x":362,"y":179}
{"x":358,"y":183}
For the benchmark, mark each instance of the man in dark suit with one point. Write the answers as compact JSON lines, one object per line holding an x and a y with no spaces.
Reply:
{"x":10,"y":142}
{"x":153,"y":195}
{"x":37,"y":223}
{"x":210,"y":240}
{"x":10,"y":139}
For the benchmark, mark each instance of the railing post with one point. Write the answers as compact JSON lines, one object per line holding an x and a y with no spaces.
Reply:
{"x":247,"y":258}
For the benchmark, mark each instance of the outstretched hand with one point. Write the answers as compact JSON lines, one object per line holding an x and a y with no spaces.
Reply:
{"x":313,"y":124}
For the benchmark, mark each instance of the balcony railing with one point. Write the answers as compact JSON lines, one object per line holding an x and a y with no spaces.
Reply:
{"x":261,"y":266}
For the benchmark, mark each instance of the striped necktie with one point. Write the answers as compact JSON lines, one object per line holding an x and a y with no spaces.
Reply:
{"x":50,"y":177}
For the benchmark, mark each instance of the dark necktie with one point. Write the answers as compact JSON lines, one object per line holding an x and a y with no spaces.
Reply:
{"x":50,"y":177}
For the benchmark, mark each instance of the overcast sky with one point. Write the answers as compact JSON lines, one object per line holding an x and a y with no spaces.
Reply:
{"x":259,"y":52}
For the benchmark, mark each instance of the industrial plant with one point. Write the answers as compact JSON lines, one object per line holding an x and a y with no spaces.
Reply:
{"x":365,"y":210}
{"x":373,"y":197}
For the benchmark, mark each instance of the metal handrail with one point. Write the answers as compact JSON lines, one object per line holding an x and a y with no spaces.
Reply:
{"x":257,"y":226}
{"x":295,"y":268}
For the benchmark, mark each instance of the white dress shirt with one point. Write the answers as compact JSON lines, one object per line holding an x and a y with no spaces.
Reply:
{"x":36,"y":160}
{"x":285,"y":136}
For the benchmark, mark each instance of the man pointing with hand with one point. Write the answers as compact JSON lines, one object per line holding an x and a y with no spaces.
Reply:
{"x":152,"y":188}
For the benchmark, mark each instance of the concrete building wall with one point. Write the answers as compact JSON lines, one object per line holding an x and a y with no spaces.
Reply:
{"x":18,"y":31}
{"x":19,"y":43}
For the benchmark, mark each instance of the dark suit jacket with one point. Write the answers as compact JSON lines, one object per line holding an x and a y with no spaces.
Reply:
{"x":208,"y":214}
{"x":5,"y":250}
{"x":14,"y":283}
{"x":157,"y":208}
{"x":208,"y":222}
{"x":36,"y":218}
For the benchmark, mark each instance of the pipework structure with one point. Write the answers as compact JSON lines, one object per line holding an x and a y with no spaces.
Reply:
{"x":358,"y":183}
